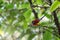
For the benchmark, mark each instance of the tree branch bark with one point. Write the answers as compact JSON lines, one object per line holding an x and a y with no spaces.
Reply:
{"x":35,"y":13}
{"x":55,"y":19}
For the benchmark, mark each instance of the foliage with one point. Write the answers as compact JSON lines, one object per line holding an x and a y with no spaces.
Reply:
{"x":17,"y":15}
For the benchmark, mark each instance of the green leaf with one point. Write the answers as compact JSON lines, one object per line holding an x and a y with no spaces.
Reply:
{"x":54,"y":6}
{"x":9,"y":6}
{"x":1,"y":11}
{"x":21,"y":18}
{"x":1,"y":3}
{"x":44,"y":23}
{"x":25,"y":25}
{"x":47,"y":35}
{"x":27,"y":15}
{"x":48,"y":16}
{"x":39,"y":1}
{"x":13,"y":13}
{"x":28,"y":31}
{"x":25,"y":5}
{"x":31,"y":36}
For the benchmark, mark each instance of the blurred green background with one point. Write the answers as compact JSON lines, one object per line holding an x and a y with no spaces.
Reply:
{"x":16,"y":17}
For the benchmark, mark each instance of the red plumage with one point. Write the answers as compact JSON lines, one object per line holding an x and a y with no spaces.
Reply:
{"x":35,"y":22}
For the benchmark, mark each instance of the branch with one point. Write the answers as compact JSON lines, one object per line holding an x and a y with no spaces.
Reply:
{"x":35,"y":13}
{"x":55,"y":19}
